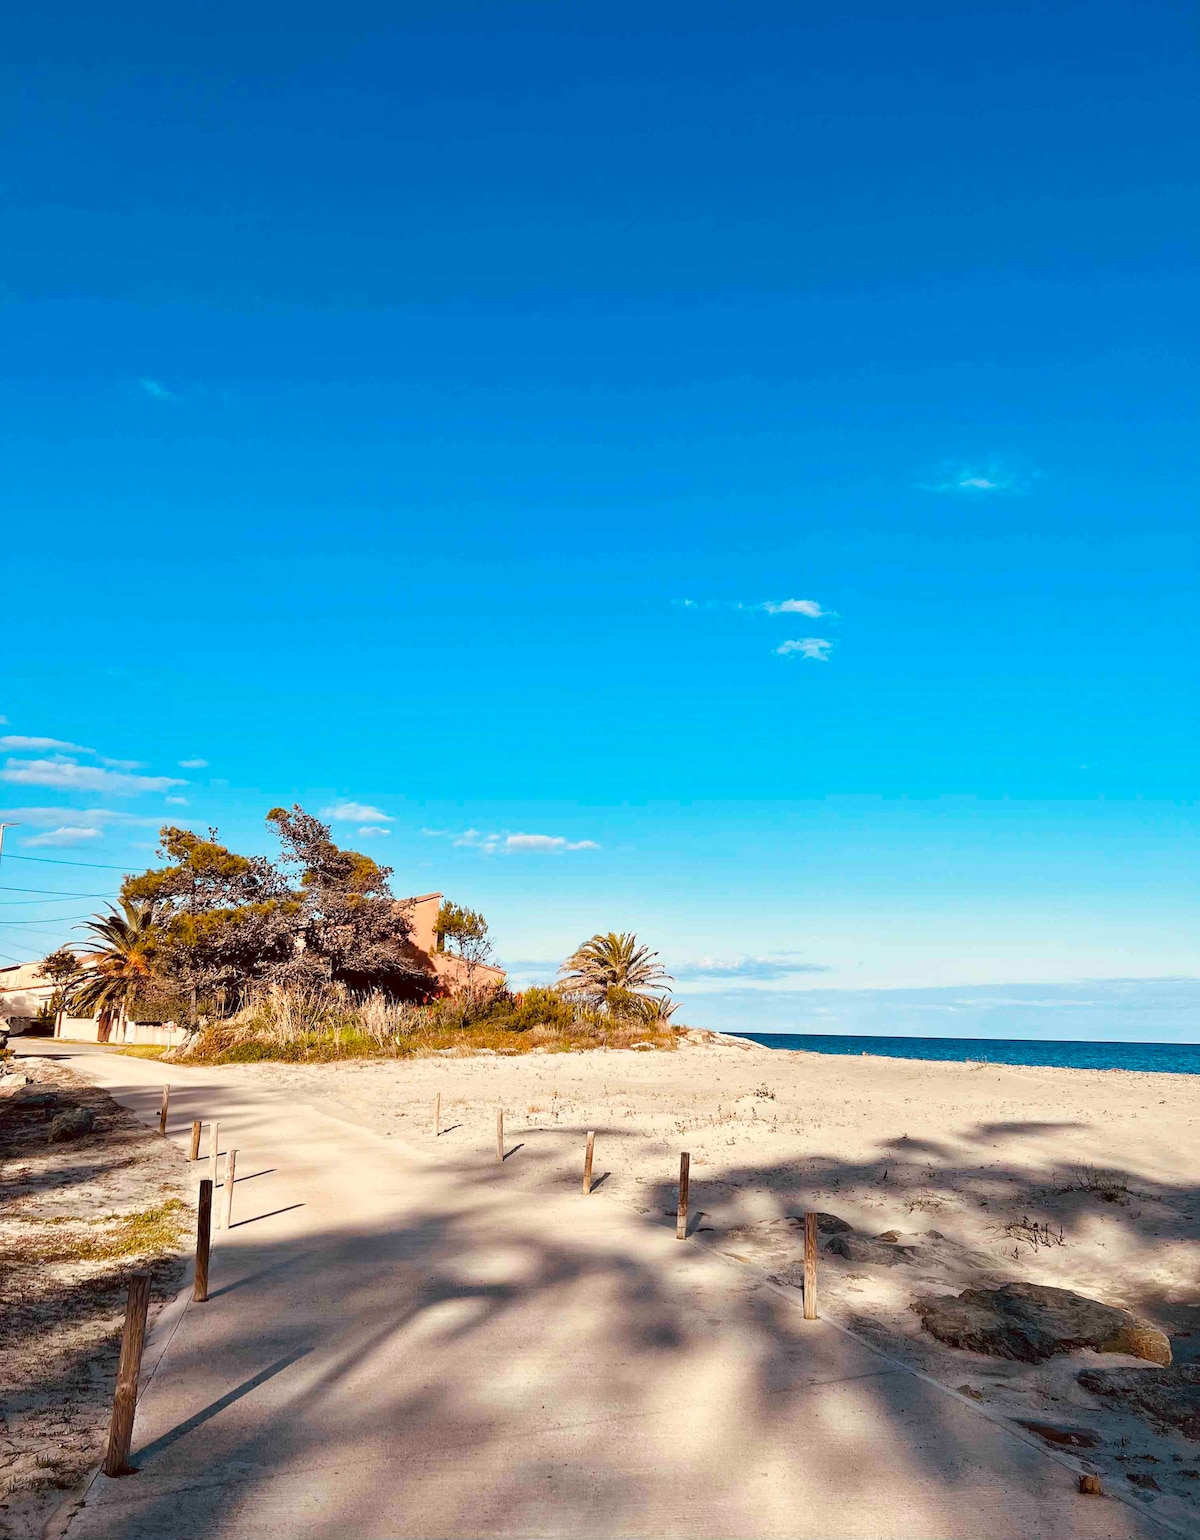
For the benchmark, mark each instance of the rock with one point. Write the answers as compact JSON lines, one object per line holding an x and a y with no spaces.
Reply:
{"x":1169,"y":1398}
{"x":864,"y":1248}
{"x":888,"y":1235}
{"x":71,"y":1124}
{"x":1142,"y":1479}
{"x":1031,"y":1322}
{"x":829,"y":1224}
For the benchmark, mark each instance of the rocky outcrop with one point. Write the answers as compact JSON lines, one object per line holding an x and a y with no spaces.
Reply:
{"x":1168,"y":1398}
{"x":1031,"y":1322}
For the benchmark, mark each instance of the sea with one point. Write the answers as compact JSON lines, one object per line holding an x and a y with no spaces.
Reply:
{"x":1164,"y":1058}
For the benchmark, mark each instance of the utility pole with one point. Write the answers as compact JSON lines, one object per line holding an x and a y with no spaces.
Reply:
{"x":4,"y":826}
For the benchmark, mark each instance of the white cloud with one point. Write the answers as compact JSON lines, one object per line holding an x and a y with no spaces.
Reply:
{"x":808,"y":607}
{"x":15,"y":741}
{"x":975,"y":479}
{"x":815,"y":648}
{"x":512,"y":844}
{"x":72,"y":776}
{"x":44,"y":817}
{"x":193,"y":764}
{"x":156,"y":389}
{"x":371,"y":829}
{"x":355,"y":812}
{"x":67,"y":834}
{"x":177,"y":801}
{"x":777,"y":967}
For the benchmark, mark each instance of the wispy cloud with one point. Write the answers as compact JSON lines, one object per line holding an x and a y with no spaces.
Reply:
{"x":177,"y":801}
{"x":16,"y":741}
{"x":44,"y":817}
{"x":512,"y":844}
{"x":67,"y":834}
{"x":808,"y":607}
{"x":976,"y":479}
{"x":815,"y":648}
{"x":371,"y":830}
{"x":778,"y":966}
{"x":193,"y":764}
{"x":355,"y":812}
{"x":156,"y":389}
{"x":69,"y":775}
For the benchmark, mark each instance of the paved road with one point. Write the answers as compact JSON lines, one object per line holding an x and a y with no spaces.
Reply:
{"x":398,"y":1348}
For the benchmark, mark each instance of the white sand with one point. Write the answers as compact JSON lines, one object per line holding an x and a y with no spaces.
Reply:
{"x":969,"y":1151}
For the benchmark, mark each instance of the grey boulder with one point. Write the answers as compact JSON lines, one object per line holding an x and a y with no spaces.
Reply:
{"x":71,"y":1124}
{"x":863,"y":1248}
{"x":1031,"y":1322}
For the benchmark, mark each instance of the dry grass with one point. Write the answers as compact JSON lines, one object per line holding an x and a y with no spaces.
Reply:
{"x":305,"y":1026}
{"x":147,"y":1236}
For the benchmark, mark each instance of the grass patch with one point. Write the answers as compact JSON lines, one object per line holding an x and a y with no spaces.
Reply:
{"x":302,"y":1026}
{"x":155,"y":1232}
{"x":145,"y":1050}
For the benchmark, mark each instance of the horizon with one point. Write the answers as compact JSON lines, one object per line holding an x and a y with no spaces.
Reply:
{"x":726,"y":477}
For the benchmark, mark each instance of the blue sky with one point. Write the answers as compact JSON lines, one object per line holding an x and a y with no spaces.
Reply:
{"x":750,"y":451}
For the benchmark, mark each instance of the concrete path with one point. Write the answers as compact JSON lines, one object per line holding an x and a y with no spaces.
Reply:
{"x":396,"y":1348}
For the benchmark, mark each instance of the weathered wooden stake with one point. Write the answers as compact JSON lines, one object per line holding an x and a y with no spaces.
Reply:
{"x":681,"y":1218}
{"x":120,"y":1429}
{"x":500,"y":1133}
{"x":810,"y":1267}
{"x":162,"y":1115}
{"x":203,"y":1240}
{"x":195,"y":1150}
{"x":587,"y":1163}
{"x":1091,"y":1486}
{"x":437,"y":1116}
{"x":214,"y":1136}
{"x":227,"y":1195}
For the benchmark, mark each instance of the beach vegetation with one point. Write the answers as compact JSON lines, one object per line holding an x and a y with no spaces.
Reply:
{"x":611,"y":971}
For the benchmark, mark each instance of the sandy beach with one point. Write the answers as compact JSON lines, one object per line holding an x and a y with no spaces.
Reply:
{"x":1086,"y":1180}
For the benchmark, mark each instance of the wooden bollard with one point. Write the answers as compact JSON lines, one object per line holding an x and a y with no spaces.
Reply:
{"x":500,"y":1133}
{"x":587,"y":1163}
{"x":437,"y":1116}
{"x":227,"y":1195}
{"x":681,"y":1216}
{"x":195,"y":1150}
{"x":162,"y":1112}
{"x":810,"y":1267}
{"x":203,"y":1241}
{"x":214,"y":1137}
{"x":133,"y":1337}
{"x":1090,"y":1486}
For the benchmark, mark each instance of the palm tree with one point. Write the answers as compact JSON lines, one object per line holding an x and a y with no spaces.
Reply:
{"x":607,"y":967}
{"x":111,"y":971}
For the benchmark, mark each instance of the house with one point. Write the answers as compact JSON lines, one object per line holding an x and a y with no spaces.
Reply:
{"x":25,"y":995}
{"x":454,"y":974}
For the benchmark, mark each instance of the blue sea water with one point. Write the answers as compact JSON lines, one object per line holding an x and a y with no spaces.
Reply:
{"x":1165,"y":1058}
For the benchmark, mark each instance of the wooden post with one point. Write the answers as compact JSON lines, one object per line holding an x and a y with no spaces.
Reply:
{"x":500,"y":1133}
{"x":162,"y":1115}
{"x":214,"y":1135}
{"x":681,"y":1218}
{"x":203,"y":1240}
{"x":587,"y":1163}
{"x":810,"y":1267}
{"x":120,"y":1428}
{"x":1091,"y":1486}
{"x":195,"y":1150}
{"x":227,"y":1195}
{"x":437,"y":1116}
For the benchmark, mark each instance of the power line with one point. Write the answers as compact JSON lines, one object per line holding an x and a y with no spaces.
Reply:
{"x":95,"y":866}
{"x":52,"y":892}
{"x":49,"y":919}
